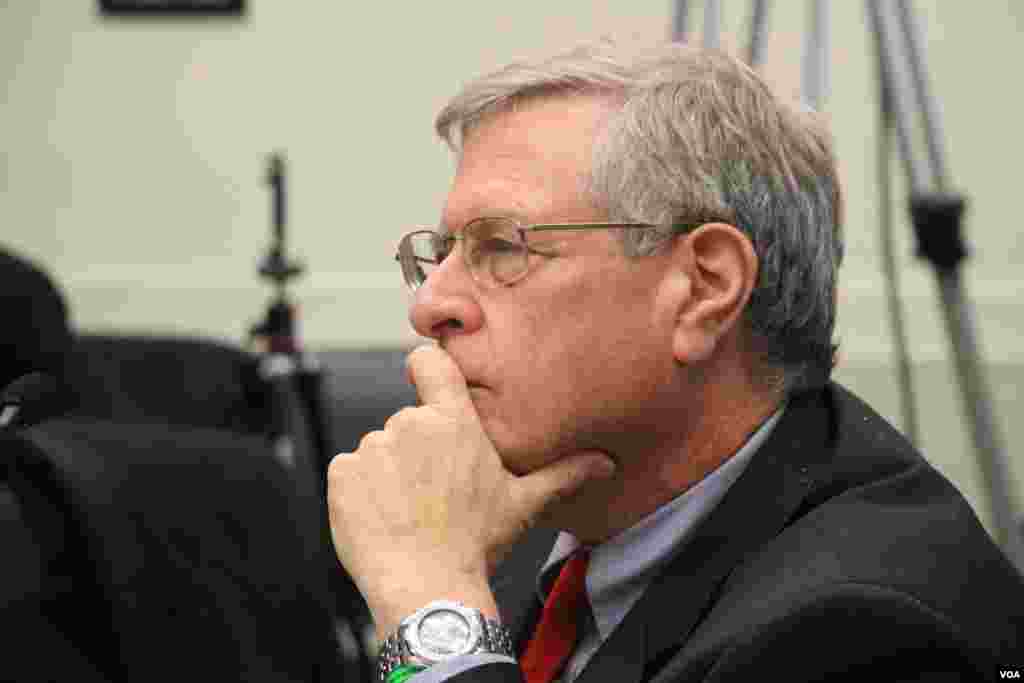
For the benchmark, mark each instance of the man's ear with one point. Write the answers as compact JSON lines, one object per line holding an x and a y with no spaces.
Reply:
{"x":718,"y":264}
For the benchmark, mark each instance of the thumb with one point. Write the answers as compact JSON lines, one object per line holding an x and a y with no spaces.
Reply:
{"x":560,"y":480}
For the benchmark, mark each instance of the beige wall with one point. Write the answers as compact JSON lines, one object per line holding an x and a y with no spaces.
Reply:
{"x":134,"y":157}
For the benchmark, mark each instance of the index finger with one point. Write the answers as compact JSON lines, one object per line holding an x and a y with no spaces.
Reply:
{"x":438,"y":380}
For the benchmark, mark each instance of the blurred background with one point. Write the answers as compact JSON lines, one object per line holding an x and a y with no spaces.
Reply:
{"x":134,"y":156}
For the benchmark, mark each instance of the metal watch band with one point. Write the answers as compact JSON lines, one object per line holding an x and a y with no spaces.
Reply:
{"x":394,"y":652}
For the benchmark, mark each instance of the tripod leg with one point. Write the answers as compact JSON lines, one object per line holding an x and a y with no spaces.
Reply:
{"x":894,"y":80}
{"x":680,"y":21}
{"x":926,"y":102}
{"x":978,"y":408}
{"x":936,"y":218}
{"x":758,"y":31}
{"x":908,"y":404}
{"x":816,"y":56}
{"x":712,"y":24}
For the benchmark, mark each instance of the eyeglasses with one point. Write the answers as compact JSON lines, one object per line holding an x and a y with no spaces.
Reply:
{"x":495,"y":249}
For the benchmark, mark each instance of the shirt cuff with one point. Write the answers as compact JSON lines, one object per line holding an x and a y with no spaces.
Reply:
{"x":450,"y":668}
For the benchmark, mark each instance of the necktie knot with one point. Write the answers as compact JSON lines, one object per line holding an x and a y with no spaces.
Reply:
{"x":557,"y":631}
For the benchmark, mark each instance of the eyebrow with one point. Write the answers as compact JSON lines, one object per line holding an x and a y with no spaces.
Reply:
{"x":512,"y":210}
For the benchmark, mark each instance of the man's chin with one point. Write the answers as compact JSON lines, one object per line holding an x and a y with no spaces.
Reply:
{"x":521,"y":462}
{"x":518,"y":466}
{"x":518,"y":457}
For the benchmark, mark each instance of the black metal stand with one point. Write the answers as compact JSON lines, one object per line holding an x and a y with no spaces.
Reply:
{"x":294,"y":376}
{"x":301,"y":430}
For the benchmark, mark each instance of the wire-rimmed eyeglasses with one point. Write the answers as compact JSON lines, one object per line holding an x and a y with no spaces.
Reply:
{"x":495,"y":248}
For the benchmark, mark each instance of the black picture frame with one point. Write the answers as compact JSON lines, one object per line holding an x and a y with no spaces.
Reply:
{"x":173,"y":8}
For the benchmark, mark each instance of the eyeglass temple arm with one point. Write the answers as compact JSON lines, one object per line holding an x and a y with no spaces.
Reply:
{"x":595,"y":226}
{"x":606,"y":226}
{"x":585,"y":226}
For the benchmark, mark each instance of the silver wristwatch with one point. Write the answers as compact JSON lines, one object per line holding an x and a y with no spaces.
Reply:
{"x":440,"y":631}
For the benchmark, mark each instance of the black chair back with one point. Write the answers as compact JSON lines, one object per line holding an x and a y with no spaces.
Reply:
{"x":171,"y":550}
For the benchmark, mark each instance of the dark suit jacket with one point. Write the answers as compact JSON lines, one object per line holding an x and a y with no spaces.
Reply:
{"x":839,"y":553}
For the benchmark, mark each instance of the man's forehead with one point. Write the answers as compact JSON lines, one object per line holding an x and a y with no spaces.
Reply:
{"x":495,"y":196}
{"x":525,"y":171}
{"x":550,"y":131}
{"x":566,"y":109}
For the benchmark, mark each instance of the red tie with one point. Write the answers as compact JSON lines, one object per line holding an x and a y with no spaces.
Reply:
{"x":555,"y":637}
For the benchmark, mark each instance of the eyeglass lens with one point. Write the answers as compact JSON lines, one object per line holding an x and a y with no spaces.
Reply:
{"x":422,"y":254}
{"x":494,"y":252}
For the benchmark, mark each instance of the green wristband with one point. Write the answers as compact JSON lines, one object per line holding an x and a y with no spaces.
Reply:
{"x":404,"y":673}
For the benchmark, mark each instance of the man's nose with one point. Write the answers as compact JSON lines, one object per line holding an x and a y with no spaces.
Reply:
{"x":446,"y":304}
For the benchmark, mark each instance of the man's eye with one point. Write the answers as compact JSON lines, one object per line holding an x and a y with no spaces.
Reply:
{"x":500,"y":246}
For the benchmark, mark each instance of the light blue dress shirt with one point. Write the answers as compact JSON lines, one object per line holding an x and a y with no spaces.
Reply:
{"x":621,"y":568}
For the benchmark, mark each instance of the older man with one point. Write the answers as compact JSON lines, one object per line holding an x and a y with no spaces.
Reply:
{"x":632,"y":290}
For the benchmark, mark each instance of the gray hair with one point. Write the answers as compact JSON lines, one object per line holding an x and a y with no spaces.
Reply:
{"x":698,"y":137}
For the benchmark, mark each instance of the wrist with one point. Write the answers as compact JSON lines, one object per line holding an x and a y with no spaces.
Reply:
{"x":404,"y":595}
{"x":439,"y":631}
{"x":388,"y":615}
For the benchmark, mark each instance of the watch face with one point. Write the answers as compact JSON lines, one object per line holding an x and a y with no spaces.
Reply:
{"x":444,"y":632}
{"x":443,"y":629}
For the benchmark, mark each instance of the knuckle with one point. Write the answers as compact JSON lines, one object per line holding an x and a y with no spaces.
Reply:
{"x":374,"y":440}
{"x":402,"y":418}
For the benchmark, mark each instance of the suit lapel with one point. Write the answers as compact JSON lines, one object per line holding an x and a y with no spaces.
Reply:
{"x":754,"y":510}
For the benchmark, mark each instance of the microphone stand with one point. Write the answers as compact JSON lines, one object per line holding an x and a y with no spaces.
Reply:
{"x":293,"y":375}
{"x":300,"y":427}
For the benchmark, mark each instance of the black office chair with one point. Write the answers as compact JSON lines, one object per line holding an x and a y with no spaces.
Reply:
{"x":175,"y":380}
{"x":173,"y":551}
{"x":165,"y":535}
